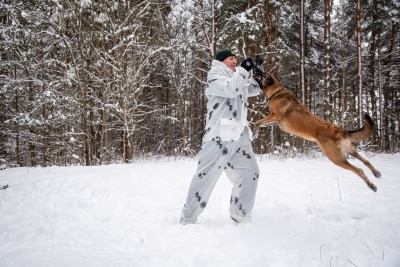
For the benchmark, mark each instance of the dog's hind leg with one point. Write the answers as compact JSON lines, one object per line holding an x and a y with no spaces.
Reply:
{"x":355,"y":154}
{"x":338,"y":158}
{"x":359,"y":172}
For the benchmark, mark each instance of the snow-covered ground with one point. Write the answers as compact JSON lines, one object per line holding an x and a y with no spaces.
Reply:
{"x":307,"y":213}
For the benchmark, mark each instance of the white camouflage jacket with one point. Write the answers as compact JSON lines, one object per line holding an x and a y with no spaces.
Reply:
{"x":227,"y":94}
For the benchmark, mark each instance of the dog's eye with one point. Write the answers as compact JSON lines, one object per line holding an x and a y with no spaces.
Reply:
{"x":270,"y":81}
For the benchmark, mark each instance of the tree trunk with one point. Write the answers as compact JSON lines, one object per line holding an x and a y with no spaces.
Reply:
{"x":359,"y":61}
{"x":371,"y":78}
{"x":302,"y":49}
{"x":210,"y":40}
{"x":268,"y":34}
{"x":387,"y":90}
{"x":381,"y":112}
{"x":327,"y":62}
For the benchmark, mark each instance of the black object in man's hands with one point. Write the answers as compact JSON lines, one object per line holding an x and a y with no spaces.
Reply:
{"x":258,"y":71}
{"x":247,"y":64}
{"x":258,"y":67}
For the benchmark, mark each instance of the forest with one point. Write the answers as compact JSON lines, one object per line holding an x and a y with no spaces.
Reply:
{"x":92,"y":82}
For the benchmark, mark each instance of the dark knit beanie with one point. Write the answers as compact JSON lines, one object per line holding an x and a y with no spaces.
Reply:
{"x":223,"y":54}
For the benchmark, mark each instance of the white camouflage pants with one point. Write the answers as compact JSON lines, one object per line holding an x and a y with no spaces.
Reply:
{"x":238,"y":160}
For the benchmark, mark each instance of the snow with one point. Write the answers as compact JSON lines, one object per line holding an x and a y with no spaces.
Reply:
{"x":101,"y":18}
{"x":86,"y":3}
{"x":308,"y":212}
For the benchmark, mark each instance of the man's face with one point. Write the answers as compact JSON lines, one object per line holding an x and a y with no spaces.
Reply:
{"x":230,"y":62}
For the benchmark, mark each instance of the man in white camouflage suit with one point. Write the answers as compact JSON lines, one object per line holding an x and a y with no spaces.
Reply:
{"x":227,"y":140}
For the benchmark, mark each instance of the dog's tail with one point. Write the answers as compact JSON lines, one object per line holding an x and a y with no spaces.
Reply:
{"x":364,"y":132}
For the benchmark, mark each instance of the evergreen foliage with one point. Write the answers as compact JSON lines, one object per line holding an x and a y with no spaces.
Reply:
{"x":95,"y":82}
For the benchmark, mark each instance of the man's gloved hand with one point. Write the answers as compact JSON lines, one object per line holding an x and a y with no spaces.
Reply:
{"x":247,"y":64}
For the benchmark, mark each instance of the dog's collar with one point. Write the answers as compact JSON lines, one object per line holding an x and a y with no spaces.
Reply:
{"x":274,"y":94}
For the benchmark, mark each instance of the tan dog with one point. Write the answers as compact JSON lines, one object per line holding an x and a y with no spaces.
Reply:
{"x":295,"y":118}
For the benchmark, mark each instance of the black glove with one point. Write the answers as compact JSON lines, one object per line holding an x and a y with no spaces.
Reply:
{"x":258,"y":70}
{"x":258,"y":80}
{"x":247,"y":64}
{"x":258,"y":73}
